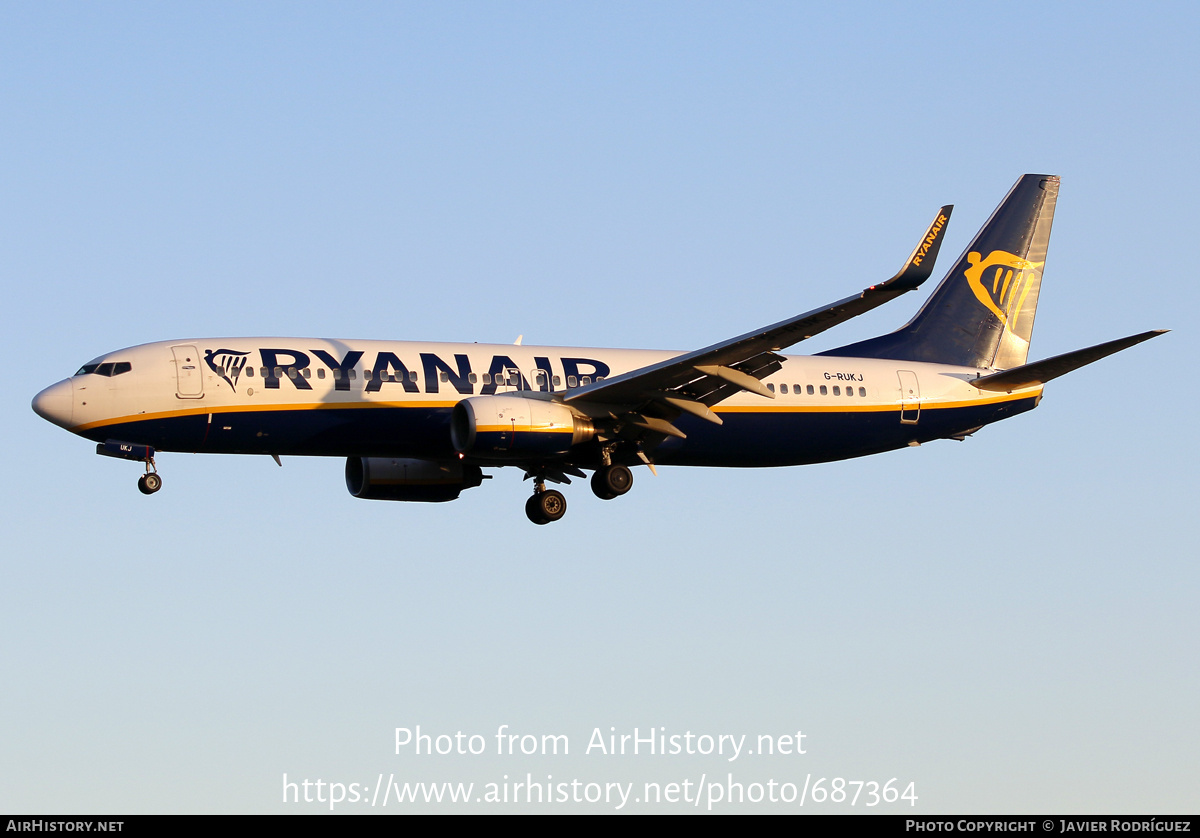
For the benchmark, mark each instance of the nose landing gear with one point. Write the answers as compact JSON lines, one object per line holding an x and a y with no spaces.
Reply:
{"x":150,"y":482}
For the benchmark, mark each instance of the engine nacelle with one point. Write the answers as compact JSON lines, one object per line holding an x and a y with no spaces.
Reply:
{"x":386,"y":478}
{"x":515,"y":428}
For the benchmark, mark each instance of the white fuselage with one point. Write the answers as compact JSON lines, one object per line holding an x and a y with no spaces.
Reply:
{"x":339,"y":398}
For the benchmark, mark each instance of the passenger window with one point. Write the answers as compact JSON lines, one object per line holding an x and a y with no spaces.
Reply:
{"x":557,"y":381}
{"x":353,"y":374}
{"x":587,"y":379}
{"x":279,"y":372}
{"x":264,"y":372}
{"x":810,"y":389}
{"x":472,"y":377}
{"x":824,"y":390}
{"x":862,"y":391}
{"x":783,"y":389}
{"x":487,"y":378}
{"x":771,"y":387}
{"x":572,"y":381}
{"x":445,"y":377}
{"x":306,"y":372}
{"x":366,"y":375}
{"x":837,"y":391}
{"x":337,"y":375}
{"x":320,"y":372}
{"x":412,"y":375}
{"x":849,"y":391}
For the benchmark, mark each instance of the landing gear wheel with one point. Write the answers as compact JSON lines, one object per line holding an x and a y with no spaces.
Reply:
{"x":533,"y":512}
{"x":599,"y":489}
{"x":149,"y":483}
{"x":612,"y":481}
{"x":545,"y":507}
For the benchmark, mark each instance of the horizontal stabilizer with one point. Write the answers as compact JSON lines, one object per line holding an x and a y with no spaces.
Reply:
{"x":1040,"y":372}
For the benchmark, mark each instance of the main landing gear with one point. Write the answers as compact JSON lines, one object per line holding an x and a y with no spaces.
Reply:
{"x":612,"y":481}
{"x":546,"y":505}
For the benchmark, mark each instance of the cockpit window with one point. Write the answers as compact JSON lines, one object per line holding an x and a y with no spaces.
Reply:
{"x":107,"y":369}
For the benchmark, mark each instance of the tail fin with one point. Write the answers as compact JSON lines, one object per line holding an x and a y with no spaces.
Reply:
{"x":982,"y":313}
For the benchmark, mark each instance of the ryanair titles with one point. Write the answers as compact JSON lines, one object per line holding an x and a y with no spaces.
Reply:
{"x":934,"y":232}
{"x":297,"y":367}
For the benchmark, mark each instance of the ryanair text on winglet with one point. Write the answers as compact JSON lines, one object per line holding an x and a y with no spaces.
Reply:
{"x":934,"y":232}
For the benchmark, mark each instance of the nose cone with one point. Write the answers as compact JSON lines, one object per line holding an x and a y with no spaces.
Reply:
{"x":56,"y":404}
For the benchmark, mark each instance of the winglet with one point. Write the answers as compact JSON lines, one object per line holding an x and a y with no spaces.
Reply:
{"x":919,"y":266}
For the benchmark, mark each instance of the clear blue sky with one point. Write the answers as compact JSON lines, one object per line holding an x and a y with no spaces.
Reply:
{"x":1009,"y":622}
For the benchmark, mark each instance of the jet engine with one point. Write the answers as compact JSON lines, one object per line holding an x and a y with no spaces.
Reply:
{"x":384,"y":478}
{"x":516,"y":428}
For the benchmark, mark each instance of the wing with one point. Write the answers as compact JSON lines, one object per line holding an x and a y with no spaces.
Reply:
{"x":695,"y":381}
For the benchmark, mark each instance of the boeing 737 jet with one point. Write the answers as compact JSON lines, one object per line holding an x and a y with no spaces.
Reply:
{"x":421,"y":421}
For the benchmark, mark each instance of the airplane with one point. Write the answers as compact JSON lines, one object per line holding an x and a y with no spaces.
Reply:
{"x":421,"y":421}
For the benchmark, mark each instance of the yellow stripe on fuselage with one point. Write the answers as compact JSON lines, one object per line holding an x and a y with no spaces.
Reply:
{"x":931,"y":404}
{"x":247,"y":408}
